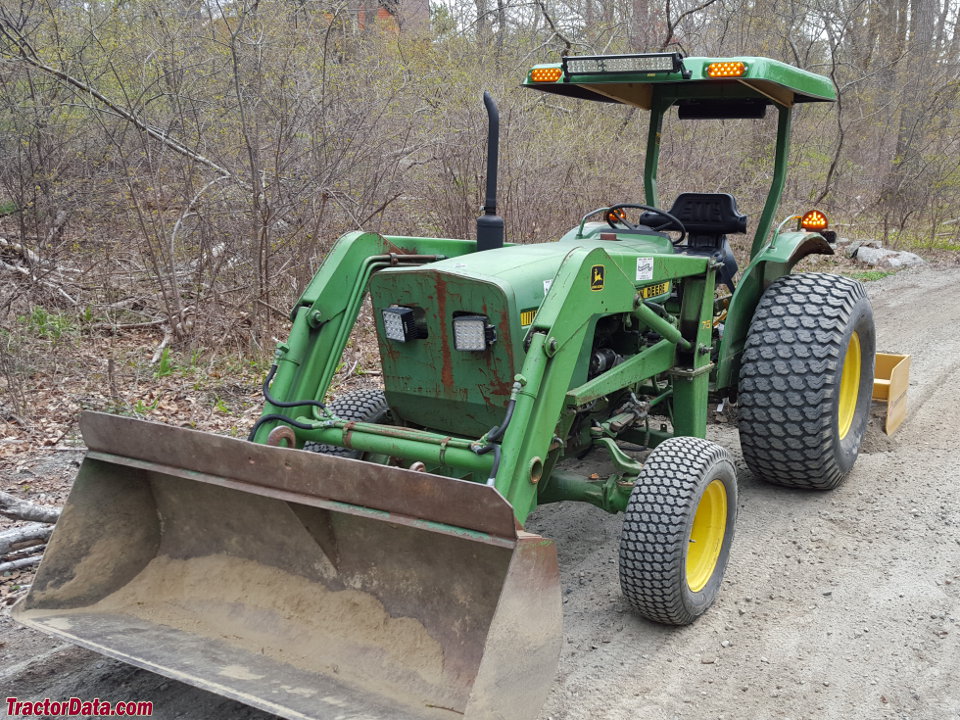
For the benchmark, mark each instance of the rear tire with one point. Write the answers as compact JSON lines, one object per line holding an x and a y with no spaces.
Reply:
{"x":806,"y":379}
{"x":677,"y":530}
{"x":355,"y":406}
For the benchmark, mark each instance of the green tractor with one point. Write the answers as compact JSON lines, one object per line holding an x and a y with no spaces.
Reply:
{"x":367,"y":557}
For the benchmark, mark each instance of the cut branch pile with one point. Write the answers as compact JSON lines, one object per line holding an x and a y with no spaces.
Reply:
{"x":23,"y":547}
{"x":20,"y":260}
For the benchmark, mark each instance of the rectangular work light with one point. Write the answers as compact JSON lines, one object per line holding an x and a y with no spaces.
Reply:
{"x":619,"y":64}
{"x":399,"y":323}
{"x":473,"y":333}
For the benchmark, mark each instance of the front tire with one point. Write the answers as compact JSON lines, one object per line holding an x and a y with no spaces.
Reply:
{"x":677,"y":530}
{"x":806,"y":379}
{"x":355,"y":406}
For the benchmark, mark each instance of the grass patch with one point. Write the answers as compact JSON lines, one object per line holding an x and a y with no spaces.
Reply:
{"x":47,"y":325}
{"x":869,"y":275}
{"x":910,"y":241}
{"x":928,"y":244}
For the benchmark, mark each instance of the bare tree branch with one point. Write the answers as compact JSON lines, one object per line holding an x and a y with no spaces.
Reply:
{"x":14,"y":507}
{"x":672,"y":24}
{"x":25,"y":53}
{"x":554,"y":28}
{"x":28,"y":536}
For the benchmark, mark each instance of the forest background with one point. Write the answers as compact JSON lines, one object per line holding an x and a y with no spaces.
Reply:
{"x":172,"y":172}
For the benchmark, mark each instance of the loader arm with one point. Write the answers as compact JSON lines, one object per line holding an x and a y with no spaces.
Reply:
{"x":327,"y":311}
{"x":557,"y":336}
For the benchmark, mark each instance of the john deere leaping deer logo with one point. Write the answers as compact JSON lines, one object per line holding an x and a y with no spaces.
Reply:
{"x":596,"y":277}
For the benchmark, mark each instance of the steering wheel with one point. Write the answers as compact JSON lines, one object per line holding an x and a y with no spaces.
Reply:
{"x":672,"y":223}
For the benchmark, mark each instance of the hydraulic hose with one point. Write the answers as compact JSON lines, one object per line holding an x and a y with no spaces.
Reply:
{"x":277,"y":403}
{"x":495,"y":449}
{"x":281,"y":404}
{"x":497,"y":432}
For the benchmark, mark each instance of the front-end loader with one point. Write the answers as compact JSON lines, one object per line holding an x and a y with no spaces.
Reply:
{"x":366,"y":556}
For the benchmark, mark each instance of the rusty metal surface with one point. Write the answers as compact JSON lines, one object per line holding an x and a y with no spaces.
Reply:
{"x":214,"y":458}
{"x":304,"y":611}
{"x":282,"y":434}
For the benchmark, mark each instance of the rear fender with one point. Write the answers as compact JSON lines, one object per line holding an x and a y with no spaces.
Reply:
{"x":775,"y":260}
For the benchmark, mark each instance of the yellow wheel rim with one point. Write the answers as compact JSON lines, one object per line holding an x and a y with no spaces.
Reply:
{"x":706,"y":536}
{"x":849,"y":386}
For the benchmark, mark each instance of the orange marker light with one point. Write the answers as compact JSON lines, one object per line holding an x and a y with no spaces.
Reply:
{"x":726,"y":69}
{"x":814,"y":221}
{"x":546,"y":74}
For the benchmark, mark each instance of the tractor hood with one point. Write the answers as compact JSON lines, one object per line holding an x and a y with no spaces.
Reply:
{"x":451,"y":334}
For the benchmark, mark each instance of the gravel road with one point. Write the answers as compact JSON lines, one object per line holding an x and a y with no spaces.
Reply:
{"x":842,"y":604}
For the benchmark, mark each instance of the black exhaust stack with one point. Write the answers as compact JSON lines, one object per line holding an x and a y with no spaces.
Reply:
{"x":490,"y":225}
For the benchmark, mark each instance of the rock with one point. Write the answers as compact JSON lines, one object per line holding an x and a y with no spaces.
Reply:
{"x":880,"y":257}
{"x":855,"y":245}
{"x":873,"y":256}
{"x":908,"y":259}
{"x":725,"y":643}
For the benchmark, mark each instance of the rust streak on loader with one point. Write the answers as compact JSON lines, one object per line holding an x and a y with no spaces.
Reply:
{"x":294,"y":581}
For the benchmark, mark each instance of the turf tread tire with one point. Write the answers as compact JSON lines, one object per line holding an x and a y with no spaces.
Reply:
{"x":368,"y":405}
{"x":790,"y":380}
{"x":657,"y":524}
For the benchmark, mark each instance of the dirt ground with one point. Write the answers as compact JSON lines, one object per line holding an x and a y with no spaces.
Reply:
{"x":835,"y":605}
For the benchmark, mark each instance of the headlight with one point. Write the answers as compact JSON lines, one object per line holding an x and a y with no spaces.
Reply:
{"x":401,"y":324}
{"x":473,"y":333}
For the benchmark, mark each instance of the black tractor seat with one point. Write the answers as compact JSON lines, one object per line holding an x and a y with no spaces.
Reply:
{"x":708,"y":217}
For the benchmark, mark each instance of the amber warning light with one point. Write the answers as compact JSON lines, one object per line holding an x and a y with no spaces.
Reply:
{"x":726,"y":69}
{"x":814,"y":221}
{"x":546,"y":74}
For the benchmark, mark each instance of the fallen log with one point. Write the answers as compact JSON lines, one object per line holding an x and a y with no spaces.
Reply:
{"x":26,"y":552}
{"x":20,"y":564}
{"x":24,"y":537}
{"x":14,"y":507}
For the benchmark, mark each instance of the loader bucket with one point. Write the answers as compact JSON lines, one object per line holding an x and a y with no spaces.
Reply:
{"x":310,"y":586}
